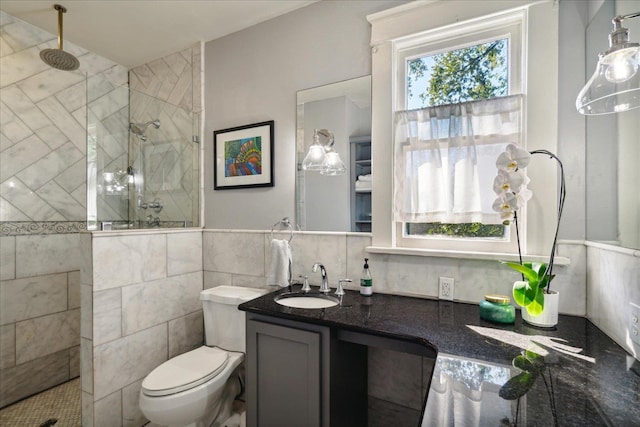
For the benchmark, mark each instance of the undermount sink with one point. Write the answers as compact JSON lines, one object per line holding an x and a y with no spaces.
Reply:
{"x":306,"y":300}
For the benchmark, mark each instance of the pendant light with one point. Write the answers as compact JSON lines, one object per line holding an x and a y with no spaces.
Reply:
{"x":615,"y":85}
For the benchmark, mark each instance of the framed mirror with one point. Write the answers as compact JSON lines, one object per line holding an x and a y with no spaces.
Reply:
{"x":335,"y":202}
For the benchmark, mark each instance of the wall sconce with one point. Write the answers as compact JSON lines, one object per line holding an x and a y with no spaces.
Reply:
{"x":615,"y":85}
{"x":321,"y":157}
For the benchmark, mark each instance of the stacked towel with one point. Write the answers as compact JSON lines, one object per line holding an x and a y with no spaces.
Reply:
{"x":363,"y":182}
{"x":280,"y":263}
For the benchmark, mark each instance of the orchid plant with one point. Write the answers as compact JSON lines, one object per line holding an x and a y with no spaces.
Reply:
{"x":511,"y":187}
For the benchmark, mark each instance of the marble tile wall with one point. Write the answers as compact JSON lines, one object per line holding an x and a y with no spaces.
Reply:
{"x":169,"y":158}
{"x":39,"y":313}
{"x":42,"y":126}
{"x":42,"y":207}
{"x":613,"y":282}
{"x":241,"y":258}
{"x":140,"y":302}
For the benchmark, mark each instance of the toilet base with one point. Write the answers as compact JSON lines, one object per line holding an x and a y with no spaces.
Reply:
{"x":168,"y":411}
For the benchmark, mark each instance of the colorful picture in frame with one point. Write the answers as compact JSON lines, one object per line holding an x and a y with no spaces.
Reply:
{"x":243,"y":156}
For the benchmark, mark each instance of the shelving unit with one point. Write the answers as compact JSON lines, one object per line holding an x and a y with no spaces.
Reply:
{"x":360,"y":197}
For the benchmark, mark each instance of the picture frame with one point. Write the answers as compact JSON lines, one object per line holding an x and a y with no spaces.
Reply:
{"x":243,"y":156}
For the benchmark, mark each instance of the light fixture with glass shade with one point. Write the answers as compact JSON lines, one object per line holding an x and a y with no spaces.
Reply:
{"x":321,"y":157}
{"x":615,"y":85}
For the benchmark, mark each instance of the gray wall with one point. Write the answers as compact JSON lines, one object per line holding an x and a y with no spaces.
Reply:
{"x":253,"y":76}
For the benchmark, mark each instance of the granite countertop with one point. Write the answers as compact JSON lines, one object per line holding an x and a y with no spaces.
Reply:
{"x":583,"y":377}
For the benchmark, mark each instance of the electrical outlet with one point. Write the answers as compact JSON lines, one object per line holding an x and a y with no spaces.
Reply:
{"x":634,"y":323}
{"x":445,"y":288}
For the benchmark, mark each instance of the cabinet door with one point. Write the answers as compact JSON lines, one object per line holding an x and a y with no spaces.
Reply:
{"x":283,"y":376}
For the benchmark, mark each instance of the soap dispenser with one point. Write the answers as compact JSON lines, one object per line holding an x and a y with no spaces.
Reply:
{"x":366,"y":282}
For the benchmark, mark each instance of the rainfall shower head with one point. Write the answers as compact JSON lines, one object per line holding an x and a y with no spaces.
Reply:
{"x":140,"y":128}
{"x":58,"y":58}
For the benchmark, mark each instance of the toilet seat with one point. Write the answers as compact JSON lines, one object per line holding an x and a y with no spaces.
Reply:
{"x":185,"y":371}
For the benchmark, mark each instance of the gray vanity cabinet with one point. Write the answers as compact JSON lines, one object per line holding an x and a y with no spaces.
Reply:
{"x":298,"y":375}
{"x":285,"y":374}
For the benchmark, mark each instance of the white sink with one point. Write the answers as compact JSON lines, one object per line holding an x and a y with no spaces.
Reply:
{"x":306,"y":300}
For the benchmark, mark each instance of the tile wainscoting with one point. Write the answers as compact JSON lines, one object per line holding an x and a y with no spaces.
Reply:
{"x":139,"y":295}
{"x":39,"y":313}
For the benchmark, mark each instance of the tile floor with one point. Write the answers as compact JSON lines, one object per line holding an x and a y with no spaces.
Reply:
{"x":61,"y":403}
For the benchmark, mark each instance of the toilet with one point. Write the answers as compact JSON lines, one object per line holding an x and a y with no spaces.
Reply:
{"x":198,"y":388}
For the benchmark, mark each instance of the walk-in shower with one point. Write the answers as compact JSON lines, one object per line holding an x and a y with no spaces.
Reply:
{"x":142,"y":163}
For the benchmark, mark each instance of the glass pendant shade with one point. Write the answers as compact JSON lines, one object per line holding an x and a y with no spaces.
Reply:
{"x":333,"y":164}
{"x":615,"y":85}
{"x":314,"y":159}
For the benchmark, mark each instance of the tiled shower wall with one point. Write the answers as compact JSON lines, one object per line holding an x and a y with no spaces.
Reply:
{"x":170,"y":156}
{"x":42,"y":208}
{"x":140,"y":306}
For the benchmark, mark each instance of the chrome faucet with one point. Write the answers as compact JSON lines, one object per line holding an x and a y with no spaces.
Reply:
{"x":324,"y":287}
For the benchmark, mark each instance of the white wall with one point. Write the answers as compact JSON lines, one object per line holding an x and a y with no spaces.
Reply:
{"x":253,"y":76}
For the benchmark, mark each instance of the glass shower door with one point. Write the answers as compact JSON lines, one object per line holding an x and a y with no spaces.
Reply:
{"x":143,"y":160}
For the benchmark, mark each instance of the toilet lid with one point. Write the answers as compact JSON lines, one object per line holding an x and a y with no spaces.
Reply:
{"x":185,"y":371}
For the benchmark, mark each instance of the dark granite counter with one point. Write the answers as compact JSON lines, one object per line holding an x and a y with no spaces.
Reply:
{"x":572,"y":375}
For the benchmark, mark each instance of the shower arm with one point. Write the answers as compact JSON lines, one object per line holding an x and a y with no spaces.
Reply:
{"x":61,"y":9}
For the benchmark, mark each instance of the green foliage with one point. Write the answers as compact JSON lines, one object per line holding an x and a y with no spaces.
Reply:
{"x":532,"y":366}
{"x":471,"y":73}
{"x":529,"y":293}
{"x":473,"y":229}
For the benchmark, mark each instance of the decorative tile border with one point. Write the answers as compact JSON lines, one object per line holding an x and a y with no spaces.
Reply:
{"x":21,"y":228}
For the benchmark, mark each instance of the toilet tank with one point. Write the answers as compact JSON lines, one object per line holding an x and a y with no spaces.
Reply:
{"x":224,"y":324}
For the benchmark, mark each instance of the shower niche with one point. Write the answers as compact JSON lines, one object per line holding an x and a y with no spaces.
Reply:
{"x":142,"y":160}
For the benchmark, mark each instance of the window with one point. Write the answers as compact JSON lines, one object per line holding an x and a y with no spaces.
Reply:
{"x":456,"y":70}
{"x":421,"y":29}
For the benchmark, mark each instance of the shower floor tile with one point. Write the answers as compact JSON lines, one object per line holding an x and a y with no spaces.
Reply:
{"x":61,"y":402}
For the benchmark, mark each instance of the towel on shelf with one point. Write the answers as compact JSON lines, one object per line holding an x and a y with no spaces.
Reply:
{"x":366,"y":177}
{"x":363,"y":185}
{"x":280,"y":263}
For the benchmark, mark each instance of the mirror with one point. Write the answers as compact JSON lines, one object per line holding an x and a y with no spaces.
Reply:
{"x":612,"y":149}
{"x":333,"y":203}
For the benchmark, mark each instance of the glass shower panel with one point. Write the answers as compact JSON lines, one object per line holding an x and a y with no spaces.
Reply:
{"x":107,"y":152}
{"x":143,"y":160}
{"x":166,"y":158}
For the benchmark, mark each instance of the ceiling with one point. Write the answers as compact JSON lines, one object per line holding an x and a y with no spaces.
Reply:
{"x":134,"y":32}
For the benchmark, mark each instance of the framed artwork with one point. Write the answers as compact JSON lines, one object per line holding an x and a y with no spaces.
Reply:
{"x":243,"y":157}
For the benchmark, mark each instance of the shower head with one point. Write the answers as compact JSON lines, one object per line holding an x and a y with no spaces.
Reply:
{"x":58,"y":58}
{"x":140,"y":128}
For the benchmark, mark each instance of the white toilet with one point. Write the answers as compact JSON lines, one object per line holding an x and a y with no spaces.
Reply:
{"x":197,"y":388}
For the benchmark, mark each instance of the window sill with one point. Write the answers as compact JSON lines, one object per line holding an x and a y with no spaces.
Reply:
{"x":486,"y":256}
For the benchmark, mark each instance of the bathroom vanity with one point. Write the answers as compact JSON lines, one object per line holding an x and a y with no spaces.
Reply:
{"x":311,"y":365}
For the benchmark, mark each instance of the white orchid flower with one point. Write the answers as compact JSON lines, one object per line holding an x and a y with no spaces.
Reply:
{"x":513,"y":158}
{"x":509,"y":182}
{"x":507,"y":203}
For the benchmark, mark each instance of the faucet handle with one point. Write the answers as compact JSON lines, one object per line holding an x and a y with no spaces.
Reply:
{"x":305,"y":283}
{"x":340,"y":292}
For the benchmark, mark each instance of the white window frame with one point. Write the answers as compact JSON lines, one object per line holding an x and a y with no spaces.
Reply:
{"x":509,"y":26}
{"x":393,"y":30}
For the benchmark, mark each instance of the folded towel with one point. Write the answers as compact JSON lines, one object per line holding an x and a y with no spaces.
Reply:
{"x":280,"y":263}
{"x":363,"y":185}
{"x":366,"y":177}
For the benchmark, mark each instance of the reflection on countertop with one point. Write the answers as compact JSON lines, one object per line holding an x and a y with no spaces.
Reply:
{"x":492,"y":374}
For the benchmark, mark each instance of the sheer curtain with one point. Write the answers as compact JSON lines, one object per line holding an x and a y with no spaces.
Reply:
{"x":445,"y":159}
